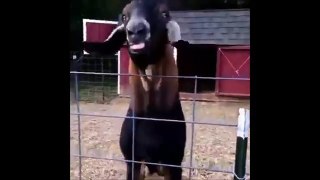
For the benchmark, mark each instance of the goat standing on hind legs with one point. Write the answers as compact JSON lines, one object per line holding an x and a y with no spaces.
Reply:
{"x":148,"y":30}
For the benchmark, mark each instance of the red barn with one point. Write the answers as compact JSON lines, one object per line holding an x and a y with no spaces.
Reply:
{"x":219,"y":47}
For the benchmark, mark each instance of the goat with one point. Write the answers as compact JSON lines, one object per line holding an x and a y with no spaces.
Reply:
{"x":151,"y":35}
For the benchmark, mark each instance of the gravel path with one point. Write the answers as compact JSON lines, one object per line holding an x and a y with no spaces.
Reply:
{"x":214,"y":146}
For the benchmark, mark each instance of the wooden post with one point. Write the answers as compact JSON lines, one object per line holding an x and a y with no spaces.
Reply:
{"x":242,"y":141}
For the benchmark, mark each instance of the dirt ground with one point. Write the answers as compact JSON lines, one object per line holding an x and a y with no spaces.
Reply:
{"x":214,"y":146}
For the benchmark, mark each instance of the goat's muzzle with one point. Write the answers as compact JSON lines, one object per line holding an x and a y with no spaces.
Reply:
{"x":138,"y":34}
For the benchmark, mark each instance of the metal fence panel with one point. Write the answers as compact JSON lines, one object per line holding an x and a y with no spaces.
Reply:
{"x":95,"y":72}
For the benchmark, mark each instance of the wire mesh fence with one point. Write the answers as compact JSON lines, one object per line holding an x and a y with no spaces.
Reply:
{"x":103,"y":122}
{"x":94,"y":88}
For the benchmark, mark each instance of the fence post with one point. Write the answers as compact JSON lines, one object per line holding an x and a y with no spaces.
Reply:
{"x":102,"y":80}
{"x":79,"y":124}
{"x":242,"y":141}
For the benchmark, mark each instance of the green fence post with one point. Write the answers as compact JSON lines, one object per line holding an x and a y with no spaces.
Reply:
{"x":242,"y":142}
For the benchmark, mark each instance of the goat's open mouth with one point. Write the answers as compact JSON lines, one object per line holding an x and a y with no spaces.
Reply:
{"x":136,"y":48}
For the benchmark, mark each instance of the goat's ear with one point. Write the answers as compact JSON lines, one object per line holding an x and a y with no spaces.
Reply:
{"x":174,"y":33}
{"x":110,"y":46}
{"x":180,"y":44}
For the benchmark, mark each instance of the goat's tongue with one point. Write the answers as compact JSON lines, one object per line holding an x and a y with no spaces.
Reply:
{"x":137,"y":46}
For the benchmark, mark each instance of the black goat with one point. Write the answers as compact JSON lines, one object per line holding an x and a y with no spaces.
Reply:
{"x":149,"y":33}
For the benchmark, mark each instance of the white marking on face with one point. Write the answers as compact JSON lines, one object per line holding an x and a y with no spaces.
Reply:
{"x":145,"y":22}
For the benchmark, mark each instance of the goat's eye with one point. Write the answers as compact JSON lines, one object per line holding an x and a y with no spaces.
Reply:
{"x":124,"y":18}
{"x":165,"y":15}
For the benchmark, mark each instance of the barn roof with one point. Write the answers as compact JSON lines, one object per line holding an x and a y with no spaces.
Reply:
{"x":224,"y":27}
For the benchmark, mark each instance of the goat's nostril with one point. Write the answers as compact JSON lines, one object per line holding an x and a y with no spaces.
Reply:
{"x":141,"y":31}
{"x":130,"y":33}
{"x":136,"y":29}
{"x":141,"y":28}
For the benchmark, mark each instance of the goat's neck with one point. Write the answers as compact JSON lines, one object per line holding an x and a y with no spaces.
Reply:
{"x":150,"y":90}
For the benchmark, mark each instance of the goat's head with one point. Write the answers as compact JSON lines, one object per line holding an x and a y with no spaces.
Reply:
{"x":143,"y":18}
{"x":146,"y":27}
{"x":144,"y":22}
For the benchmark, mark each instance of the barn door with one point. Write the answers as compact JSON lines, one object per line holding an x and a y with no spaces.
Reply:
{"x":97,"y":30}
{"x":233,"y":62}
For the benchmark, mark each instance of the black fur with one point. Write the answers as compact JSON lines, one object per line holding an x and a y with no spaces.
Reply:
{"x":155,"y":141}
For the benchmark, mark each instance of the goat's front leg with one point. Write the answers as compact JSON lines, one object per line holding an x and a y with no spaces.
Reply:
{"x":172,"y":173}
{"x":137,"y":175}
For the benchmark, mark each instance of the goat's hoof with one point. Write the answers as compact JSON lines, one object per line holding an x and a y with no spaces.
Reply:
{"x":160,"y":171}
